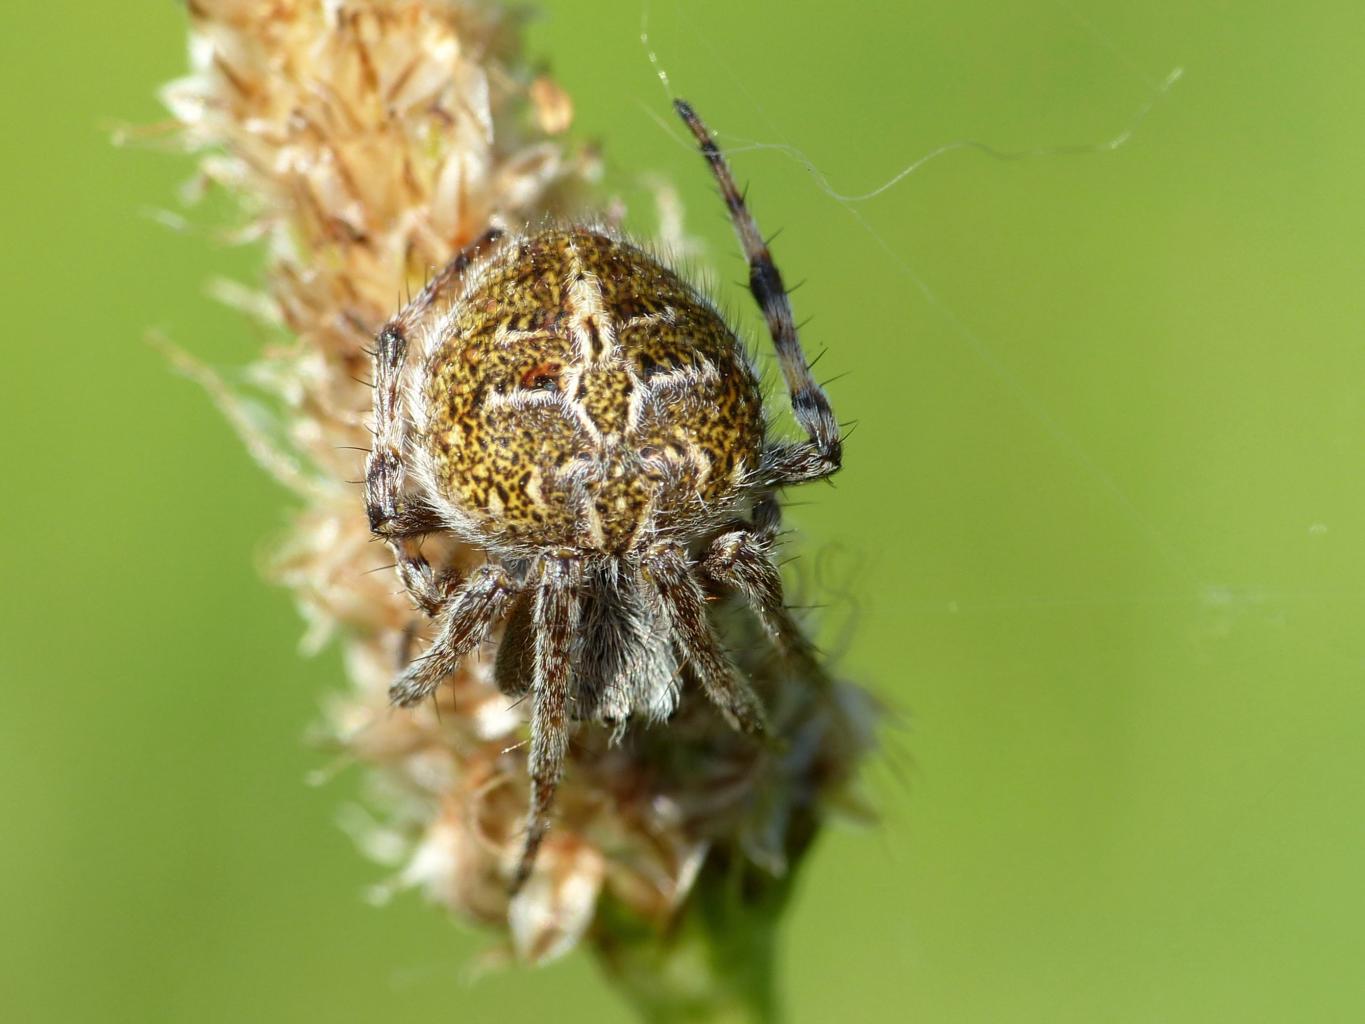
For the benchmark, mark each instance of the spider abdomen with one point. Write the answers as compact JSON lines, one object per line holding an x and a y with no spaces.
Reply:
{"x":579,"y":395}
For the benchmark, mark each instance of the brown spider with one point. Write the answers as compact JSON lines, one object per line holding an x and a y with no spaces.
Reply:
{"x":584,"y":416}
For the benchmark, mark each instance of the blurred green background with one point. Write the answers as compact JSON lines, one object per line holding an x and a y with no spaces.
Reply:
{"x":1101,"y":538}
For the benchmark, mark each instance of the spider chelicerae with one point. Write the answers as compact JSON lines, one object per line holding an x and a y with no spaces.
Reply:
{"x":584,"y":416}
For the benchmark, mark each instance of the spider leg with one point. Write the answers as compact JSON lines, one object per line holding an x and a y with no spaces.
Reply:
{"x":741,"y":560}
{"x":514,"y":666}
{"x":393,"y":515}
{"x":684,"y":604}
{"x":822,"y":453}
{"x":464,"y":620}
{"x":555,"y":621}
{"x":415,"y":519}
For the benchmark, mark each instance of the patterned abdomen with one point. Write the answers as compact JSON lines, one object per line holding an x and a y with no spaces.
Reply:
{"x":580,"y":395}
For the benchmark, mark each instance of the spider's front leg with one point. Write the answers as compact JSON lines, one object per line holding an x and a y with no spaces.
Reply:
{"x":395,"y":516}
{"x":463,"y":622}
{"x":741,"y":560}
{"x":684,"y":603}
{"x":554,"y":622}
{"x":822,"y":453}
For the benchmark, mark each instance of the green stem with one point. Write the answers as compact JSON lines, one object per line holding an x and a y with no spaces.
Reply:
{"x":716,"y":964}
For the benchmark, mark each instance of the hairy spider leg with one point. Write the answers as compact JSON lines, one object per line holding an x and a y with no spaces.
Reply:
{"x":742,"y":560}
{"x":463,"y":622}
{"x":555,"y":620}
{"x":785,"y":462}
{"x":684,"y":603}
{"x":394,"y":516}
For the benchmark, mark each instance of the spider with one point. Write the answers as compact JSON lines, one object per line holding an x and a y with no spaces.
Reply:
{"x":584,"y":416}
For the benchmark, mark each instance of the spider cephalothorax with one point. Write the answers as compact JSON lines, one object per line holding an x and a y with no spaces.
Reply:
{"x":581,"y":413}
